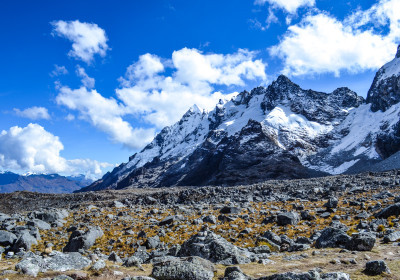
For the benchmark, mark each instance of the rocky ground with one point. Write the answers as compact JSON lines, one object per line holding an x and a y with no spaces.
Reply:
{"x":338,"y":227}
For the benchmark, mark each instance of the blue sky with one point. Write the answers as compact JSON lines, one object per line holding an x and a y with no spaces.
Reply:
{"x":85,"y":84}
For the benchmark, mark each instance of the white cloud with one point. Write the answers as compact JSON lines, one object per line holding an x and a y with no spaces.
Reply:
{"x":33,"y":113}
{"x":162,"y":99}
{"x":87,"y":39}
{"x":87,"y":81}
{"x":70,"y":117}
{"x":105,"y":114}
{"x":156,"y":99}
{"x":289,"y":6}
{"x":34,"y":149}
{"x":58,"y":71}
{"x":323,"y":44}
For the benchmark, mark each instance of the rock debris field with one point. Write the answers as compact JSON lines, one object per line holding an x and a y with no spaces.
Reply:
{"x":337,"y":227}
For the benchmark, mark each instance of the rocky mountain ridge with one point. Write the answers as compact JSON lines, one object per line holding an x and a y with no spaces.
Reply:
{"x":46,"y":183}
{"x":278,"y":132}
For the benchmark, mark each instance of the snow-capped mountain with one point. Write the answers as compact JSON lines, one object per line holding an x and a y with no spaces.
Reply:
{"x":281,"y":131}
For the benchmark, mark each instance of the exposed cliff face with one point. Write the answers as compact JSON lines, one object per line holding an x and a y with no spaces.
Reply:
{"x":385,"y":89}
{"x":278,"y":132}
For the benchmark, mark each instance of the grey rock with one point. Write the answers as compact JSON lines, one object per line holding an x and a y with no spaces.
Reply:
{"x":83,"y":240}
{"x":30,"y":269}
{"x":114,"y":258}
{"x":142,"y":255}
{"x":138,"y":278}
{"x":272,"y":237}
{"x":171,"y":219}
{"x":99,"y":265}
{"x":332,"y":203}
{"x":376,"y":267}
{"x":392,"y":237}
{"x":311,"y":275}
{"x":210,"y":219}
{"x":214,"y":248}
{"x":50,"y":215}
{"x":57,"y":262}
{"x":335,"y":276}
{"x":235,"y":273}
{"x":62,"y":277}
{"x":264,"y":249}
{"x":361,"y":242}
{"x":332,"y":238}
{"x":152,"y":242}
{"x":24,"y":242}
{"x":230,"y":210}
{"x":392,"y":210}
{"x":288,"y":218}
{"x":39,"y":224}
{"x":192,"y":268}
{"x":132,"y":262}
{"x":7,"y":238}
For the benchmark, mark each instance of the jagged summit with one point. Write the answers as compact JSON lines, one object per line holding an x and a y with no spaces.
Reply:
{"x":385,"y":89}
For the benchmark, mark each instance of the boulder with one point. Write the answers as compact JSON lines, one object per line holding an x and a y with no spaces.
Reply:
{"x":230,"y":210}
{"x":7,"y":238}
{"x":57,"y":262}
{"x":113,"y":257}
{"x":39,"y":224}
{"x":311,"y":275}
{"x":332,"y":238}
{"x":376,"y":268}
{"x":210,"y":219}
{"x":361,"y":242}
{"x":152,"y":242}
{"x":392,"y":210}
{"x":62,"y":277}
{"x":138,"y":278}
{"x":132,"y":262}
{"x":235,"y":273}
{"x":212,"y":247}
{"x":50,"y":215}
{"x":170,"y":220}
{"x":24,"y":242}
{"x":99,"y":265}
{"x":392,"y":237}
{"x":83,"y":240}
{"x":332,"y":203}
{"x":192,"y":268}
{"x":288,"y":218}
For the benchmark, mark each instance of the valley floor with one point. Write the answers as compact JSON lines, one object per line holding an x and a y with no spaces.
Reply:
{"x":265,"y":229}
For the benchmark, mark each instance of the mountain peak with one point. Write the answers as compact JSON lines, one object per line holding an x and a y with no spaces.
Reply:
{"x":384,"y":91}
{"x":283,"y":79}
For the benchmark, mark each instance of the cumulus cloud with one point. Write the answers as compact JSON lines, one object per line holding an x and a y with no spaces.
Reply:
{"x":33,"y":113}
{"x":104,"y":114}
{"x":87,"y":81}
{"x":34,"y":149}
{"x":58,"y":71}
{"x":88,"y":39}
{"x":289,"y":6}
{"x":162,"y":99}
{"x":321,"y":43}
{"x":156,"y":92}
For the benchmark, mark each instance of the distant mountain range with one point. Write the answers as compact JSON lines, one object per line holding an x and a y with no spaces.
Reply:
{"x":48,"y":183}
